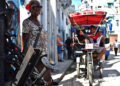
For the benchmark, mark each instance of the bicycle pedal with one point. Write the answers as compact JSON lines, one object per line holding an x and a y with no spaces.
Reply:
{"x":86,"y":78}
{"x":79,"y":77}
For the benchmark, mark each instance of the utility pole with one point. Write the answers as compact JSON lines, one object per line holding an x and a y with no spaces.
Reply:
{"x":119,"y":6}
{"x":2,"y":53}
{"x":119,"y":3}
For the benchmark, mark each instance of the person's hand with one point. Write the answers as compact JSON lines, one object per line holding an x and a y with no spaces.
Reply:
{"x":72,"y":44}
{"x":81,"y":33}
{"x":103,"y":39}
{"x":62,"y":49}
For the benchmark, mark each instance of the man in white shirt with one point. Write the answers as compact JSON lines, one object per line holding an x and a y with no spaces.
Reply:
{"x":115,"y":45}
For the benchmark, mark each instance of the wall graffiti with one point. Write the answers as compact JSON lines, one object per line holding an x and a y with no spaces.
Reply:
{"x":14,"y":4}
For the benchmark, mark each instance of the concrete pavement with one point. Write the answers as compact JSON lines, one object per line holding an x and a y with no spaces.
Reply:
{"x":111,"y":74}
{"x":62,"y":68}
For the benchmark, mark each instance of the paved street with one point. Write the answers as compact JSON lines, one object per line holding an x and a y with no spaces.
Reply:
{"x":111,"y":75}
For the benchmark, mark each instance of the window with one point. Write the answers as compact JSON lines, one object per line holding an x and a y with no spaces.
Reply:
{"x":116,"y":9}
{"x":111,"y":17}
{"x":99,"y":6}
{"x":91,"y":7}
{"x":110,"y":5}
{"x":117,"y":22}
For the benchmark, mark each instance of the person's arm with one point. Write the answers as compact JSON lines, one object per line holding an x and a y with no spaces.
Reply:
{"x":83,"y":41}
{"x":59,"y":42}
{"x":103,"y":39}
{"x":26,"y":30}
{"x":26,"y":35}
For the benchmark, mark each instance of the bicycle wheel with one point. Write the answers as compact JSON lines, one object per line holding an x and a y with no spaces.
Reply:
{"x":101,"y":69}
{"x":78,"y":66}
{"x":90,"y":69}
{"x":90,"y":75}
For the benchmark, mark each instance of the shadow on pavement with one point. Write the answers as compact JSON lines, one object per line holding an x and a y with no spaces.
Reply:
{"x":108,"y":66}
{"x":110,"y":73}
{"x":71,"y":82}
{"x":110,"y":70}
{"x":112,"y":59}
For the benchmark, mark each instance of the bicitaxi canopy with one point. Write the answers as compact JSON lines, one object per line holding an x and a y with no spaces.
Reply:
{"x":87,"y":17}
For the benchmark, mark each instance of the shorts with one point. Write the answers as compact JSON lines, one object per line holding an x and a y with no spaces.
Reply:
{"x":107,"y":53}
{"x":59,"y":51}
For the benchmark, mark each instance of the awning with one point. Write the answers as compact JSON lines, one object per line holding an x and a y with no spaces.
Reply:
{"x":87,"y":17}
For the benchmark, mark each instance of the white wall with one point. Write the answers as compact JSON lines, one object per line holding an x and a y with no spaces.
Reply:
{"x":44,"y":15}
{"x":52,"y":29}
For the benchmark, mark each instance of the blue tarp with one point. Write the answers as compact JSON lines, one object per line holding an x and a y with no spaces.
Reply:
{"x":110,"y":25}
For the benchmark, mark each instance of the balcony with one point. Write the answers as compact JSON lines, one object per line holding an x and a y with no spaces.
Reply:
{"x":65,"y":3}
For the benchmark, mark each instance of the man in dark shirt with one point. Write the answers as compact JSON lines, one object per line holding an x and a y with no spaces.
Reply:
{"x":68,"y":47}
{"x":78,"y":42}
{"x":79,"y":38}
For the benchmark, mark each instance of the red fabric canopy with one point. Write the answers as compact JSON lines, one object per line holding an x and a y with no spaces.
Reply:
{"x":87,"y":17}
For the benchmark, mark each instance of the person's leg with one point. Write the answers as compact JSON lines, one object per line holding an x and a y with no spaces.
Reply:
{"x":101,"y":53}
{"x":61,"y":56}
{"x":115,"y":49}
{"x":107,"y":53}
{"x":106,"y":57}
{"x":69,"y":54}
{"x":58,"y":56}
{"x":59,"y":52}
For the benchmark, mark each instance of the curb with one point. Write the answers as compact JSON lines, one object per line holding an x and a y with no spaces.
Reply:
{"x":62,"y":76}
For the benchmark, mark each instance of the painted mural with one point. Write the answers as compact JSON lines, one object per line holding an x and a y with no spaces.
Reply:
{"x":18,"y":6}
{"x":14,"y":4}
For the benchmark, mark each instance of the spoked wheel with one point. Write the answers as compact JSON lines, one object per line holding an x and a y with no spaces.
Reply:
{"x":101,"y":69}
{"x":78,"y":66}
{"x":78,"y":70}
{"x":90,"y":69}
{"x":86,"y":67}
{"x":90,"y":76}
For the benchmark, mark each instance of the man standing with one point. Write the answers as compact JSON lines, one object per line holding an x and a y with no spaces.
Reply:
{"x":68,"y":47}
{"x":115,"y":45}
{"x":59,"y":48}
